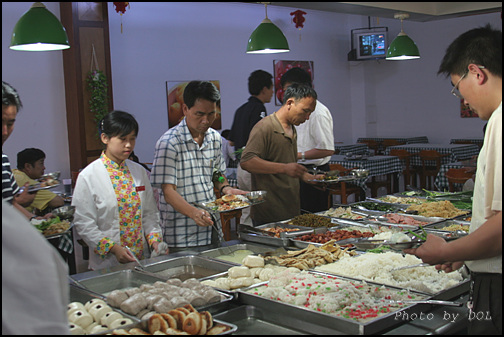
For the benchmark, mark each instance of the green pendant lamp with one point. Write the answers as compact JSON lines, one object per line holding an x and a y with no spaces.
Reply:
{"x":39,"y":30}
{"x":403,"y":47}
{"x":267,"y":38}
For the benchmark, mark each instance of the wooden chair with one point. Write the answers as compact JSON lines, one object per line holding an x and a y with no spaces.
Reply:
{"x":431,"y":164}
{"x":343,"y":190}
{"x":480,"y":144}
{"x":391,"y":142}
{"x":457,"y":176}
{"x":372,"y":145}
{"x":409,"y":173}
{"x":227,"y":217}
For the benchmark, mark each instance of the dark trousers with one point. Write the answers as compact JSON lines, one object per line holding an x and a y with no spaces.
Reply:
{"x":485,"y":318}
{"x":313,"y":199}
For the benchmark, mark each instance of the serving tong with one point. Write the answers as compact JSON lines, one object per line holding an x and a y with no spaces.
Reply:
{"x":412,"y":266}
{"x":136,"y":259}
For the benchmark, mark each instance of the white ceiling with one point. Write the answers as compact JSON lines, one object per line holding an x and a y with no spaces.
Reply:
{"x":418,"y":11}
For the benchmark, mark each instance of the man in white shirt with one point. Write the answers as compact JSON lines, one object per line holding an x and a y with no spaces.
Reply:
{"x":474,"y":63}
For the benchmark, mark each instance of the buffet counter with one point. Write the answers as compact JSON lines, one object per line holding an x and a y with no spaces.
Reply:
{"x":249,"y":314}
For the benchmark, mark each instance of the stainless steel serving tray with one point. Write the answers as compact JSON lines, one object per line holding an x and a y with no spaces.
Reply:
{"x":446,"y":294}
{"x":214,"y":254}
{"x":104,"y":284}
{"x":269,"y":240}
{"x":429,"y":220}
{"x":185,"y":267}
{"x":446,"y":223}
{"x":77,"y":294}
{"x":261,"y":320}
{"x":325,"y":322}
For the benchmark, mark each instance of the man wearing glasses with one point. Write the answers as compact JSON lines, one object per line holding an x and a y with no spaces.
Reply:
{"x":474,"y":63}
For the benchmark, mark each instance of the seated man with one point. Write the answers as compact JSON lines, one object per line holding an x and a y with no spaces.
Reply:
{"x":30,"y":166}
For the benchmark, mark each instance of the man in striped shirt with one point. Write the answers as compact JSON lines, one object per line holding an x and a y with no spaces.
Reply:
{"x":11,"y":103}
{"x":185,"y":158}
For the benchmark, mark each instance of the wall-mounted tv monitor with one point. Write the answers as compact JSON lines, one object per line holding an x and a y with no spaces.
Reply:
{"x":369,"y":43}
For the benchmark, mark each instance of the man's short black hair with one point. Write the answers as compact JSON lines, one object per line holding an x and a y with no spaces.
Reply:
{"x":258,"y":80}
{"x":29,"y":156}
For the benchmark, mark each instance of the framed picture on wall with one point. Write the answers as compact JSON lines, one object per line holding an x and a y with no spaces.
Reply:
{"x":175,"y":100}
{"x":465,"y":111}
{"x":280,"y":67}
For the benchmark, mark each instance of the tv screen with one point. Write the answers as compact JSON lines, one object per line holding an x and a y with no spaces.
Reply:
{"x":369,"y":43}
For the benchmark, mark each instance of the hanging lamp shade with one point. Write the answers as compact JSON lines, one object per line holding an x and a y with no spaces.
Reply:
{"x":403,"y":47}
{"x":267,"y":39}
{"x":39,"y":30}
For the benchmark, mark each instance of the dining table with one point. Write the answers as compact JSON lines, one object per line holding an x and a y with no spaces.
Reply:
{"x":344,"y":148}
{"x":477,"y":141}
{"x":406,"y":140}
{"x":376,"y":165}
{"x":457,"y":152}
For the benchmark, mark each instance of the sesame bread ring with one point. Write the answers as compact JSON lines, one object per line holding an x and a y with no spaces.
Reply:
{"x":157,"y":323}
{"x":179,"y":317}
{"x":208,"y":318}
{"x":192,"y":323}
{"x":172,"y":322}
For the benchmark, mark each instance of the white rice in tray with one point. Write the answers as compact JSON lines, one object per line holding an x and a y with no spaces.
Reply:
{"x":376,"y":268}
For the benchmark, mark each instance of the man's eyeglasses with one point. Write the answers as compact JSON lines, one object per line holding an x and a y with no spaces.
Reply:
{"x":455,"y":91}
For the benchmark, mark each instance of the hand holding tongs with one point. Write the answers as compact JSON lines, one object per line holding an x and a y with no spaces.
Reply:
{"x":134,"y":256}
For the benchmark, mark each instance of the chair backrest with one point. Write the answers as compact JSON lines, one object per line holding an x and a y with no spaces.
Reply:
{"x":429,"y":156}
{"x":392,"y":142}
{"x":401,"y":153}
{"x":372,"y":144}
{"x":457,"y":176}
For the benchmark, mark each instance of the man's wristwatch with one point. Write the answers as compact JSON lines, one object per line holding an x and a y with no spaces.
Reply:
{"x":303,"y":156}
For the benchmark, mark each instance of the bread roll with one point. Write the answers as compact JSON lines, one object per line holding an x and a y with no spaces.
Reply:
{"x":116,"y":297}
{"x":92,"y":303}
{"x":98,"y":328}
{"x":98,"y":310}
{"x":109,"y":317}
{"x":252,"y":261}
{"x":134,"y":304}
{"x":235,"y":272}
{"x":81,"y":318}
{"x":163,"y":305}
{"x":120,"y":322}
{"x":76,"y":329}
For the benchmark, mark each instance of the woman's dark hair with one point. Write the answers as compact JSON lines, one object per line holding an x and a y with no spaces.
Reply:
{"x":200,"y":90}
{"x":10,"y":96}
{"x":29,"y":156}
{"x":118,"y":124}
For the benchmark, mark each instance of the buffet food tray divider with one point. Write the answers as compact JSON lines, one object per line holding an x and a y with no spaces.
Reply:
{"x":321,"y":323}
{"x":185,"y":267}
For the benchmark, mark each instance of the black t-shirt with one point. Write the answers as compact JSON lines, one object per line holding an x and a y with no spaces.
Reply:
{"x":245,"y":118}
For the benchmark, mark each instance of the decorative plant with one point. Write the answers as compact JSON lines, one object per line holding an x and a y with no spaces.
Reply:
{"x":98,"y":86}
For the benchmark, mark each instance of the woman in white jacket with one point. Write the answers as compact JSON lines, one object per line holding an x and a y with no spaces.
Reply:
{"x":114,"y":201}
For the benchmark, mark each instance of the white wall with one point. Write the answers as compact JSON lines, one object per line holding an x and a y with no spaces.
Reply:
{"x":185,"y":41}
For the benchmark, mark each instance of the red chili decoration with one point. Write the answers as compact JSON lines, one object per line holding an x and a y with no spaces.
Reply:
{"x":298,"y":18}
{"x":120,"y":7}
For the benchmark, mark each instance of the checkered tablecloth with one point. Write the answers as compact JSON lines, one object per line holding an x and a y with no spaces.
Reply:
{"x":376,"y":165}
{"x":407,"y":140}
{"x":441,"y":181}
{"x":457,"y":152}
{"x":352,"y":148}
{"x":477,"y":141}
